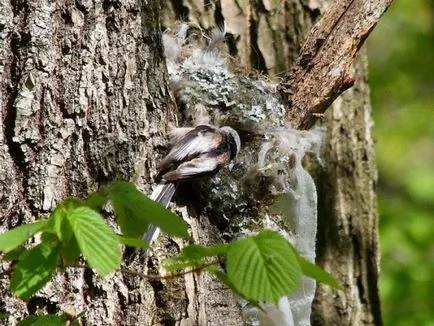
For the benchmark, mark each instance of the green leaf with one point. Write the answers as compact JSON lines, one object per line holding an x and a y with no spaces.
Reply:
{"x":58,"y":223}
{"x":28,"y":321}
{"x":46,"y":320}
{"x":3,"y":315}
{"x":135,"y":211}
{"x":70,"y":251}
{"x":171,"y":265}
{"x":17,"y":236}
{"x":193,"y":256}
{"x":263,"y":267}
{"x":97,"y":200}
{"x":316,"y":272}
{"x":223,"y":277}
{"x":14,"y":254}
{"x":34,"y":270}
{"x":49,"y":238}
{"x":130,"y":225}
{"x":133,"y":242}
{"x":96,"y":240}
{"x":196,"y":252}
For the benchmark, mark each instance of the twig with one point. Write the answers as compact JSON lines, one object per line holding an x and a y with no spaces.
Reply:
{"x":158,"y":277}
{"x":170,"y":276}
{"x":322,"y":70}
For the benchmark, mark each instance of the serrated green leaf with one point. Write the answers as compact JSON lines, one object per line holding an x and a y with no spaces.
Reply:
{"x":133,"y":242}
{"x":70,"y":251}
{"x":316,"y":272}
{"x":34,"y":270}
{"x":135,"y":211}
{"x":58,"y":223}
{"x":263,"y":267}
{"x":193,"y":256}
{"x":46,"y":320}
{"x":96,"y":240}
{"x":27,"y":321}
{"x":223,"y":277}
{"x":130,"y":225}
{"x":173,"y":265}
{"x":196,"y":252}
{"x":14,"y":254}
{"x":58,"y":226}
{"x":49,"y":238}
{"x":17,"y":236}
{"x":97,"y":200}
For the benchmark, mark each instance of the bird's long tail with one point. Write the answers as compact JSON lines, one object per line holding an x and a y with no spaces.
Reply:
{"x":162,"y":194}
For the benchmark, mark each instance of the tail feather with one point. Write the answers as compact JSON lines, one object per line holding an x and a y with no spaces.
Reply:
{"x":162,"y":194}
{"x":152,"y":234}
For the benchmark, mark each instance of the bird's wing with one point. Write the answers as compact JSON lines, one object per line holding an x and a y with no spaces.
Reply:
{"x":197,"y":167}
{"x":200,"y":140}
{"x":177,"y":134}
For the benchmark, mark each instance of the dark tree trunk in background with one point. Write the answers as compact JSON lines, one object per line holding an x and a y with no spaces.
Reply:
{"x":85,"y":99}
{"x":348,"y":220}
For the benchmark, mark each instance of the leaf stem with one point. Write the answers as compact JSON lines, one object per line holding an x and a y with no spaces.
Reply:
{"x":169,"y":276}
{"x":158,"y":277}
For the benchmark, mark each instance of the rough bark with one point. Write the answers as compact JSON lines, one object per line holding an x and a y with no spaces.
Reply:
{"x":84,"y":100}
{"x":347,"y":231}
{"x":326,"y":59}
{"x":348,"y":221}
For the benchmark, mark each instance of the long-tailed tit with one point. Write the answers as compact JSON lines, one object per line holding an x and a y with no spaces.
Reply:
{"x":196,"y":152}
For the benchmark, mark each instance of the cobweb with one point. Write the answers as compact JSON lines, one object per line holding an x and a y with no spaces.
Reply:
{"x":283,"y":155}
{"x":280,"y":157}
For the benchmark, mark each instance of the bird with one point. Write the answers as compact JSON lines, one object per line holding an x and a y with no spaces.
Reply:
{"x":195,"y":152}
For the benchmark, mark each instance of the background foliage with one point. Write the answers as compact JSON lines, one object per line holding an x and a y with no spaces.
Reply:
{"x":401,"y":52}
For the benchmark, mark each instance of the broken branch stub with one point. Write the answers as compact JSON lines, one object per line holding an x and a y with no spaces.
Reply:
{"x":321,"y":72}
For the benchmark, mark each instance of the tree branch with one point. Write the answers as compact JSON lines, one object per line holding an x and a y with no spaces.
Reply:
{"x":321,"y":72}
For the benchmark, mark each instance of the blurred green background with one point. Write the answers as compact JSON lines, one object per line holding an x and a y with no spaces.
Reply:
{"x":401,"y":51}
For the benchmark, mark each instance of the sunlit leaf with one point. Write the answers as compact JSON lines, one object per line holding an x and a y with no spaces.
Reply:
{"x":47,"y":320}
{"x":135,"y":211}
{"x":58,"y":223}
{"x":14,"y":254}
{"x":171,"y":265}
{"x":316,"y":272}
{"x":263,"y":267}
{"x":17,"y":236}
{"x":195,"y":252}
{"x":193,"y":256}
{"x":70,"y":251}
{"x":96,"y":240}
{"x":34,"y":270}
{"x":96,"y":200}
{"x":223,"y":277}
{"x":130,"y":225}
{"x":133,"y":242}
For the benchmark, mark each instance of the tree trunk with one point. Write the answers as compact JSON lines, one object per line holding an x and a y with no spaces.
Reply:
{"x":348,"y":222}
{"x":85,"y":100}
{"x":268,"y":36}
